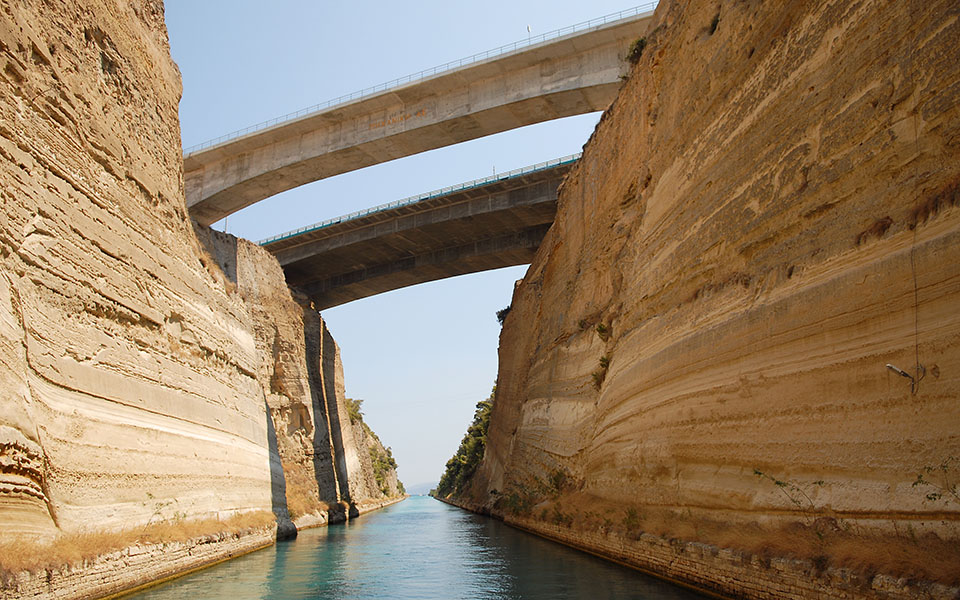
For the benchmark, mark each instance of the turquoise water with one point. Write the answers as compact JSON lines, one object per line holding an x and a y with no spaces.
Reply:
{"x":419,"y":548}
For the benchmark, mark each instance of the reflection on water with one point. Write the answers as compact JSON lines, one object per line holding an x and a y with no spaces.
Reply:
{"x":419,"y":548}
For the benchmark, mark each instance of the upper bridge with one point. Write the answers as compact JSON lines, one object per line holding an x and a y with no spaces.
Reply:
{"x":490,"y":223}
{"x":566,"y":73}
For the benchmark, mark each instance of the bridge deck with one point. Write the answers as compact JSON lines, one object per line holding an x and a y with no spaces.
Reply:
{"x":479,"y":227}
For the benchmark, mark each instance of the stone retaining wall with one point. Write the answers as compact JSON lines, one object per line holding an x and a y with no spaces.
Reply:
{"x":372,"y":505}
{"x":331,"y":516}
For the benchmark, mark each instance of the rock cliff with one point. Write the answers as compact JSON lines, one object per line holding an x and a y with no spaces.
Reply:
{"x":149,"y":370}
{"x":376,"y":463}
{"x":325,"y":454}
{"x":130,"y":371}
{"x":764,"y":219}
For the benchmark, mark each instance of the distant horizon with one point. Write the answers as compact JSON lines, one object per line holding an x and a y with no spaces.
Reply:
{"x":420,"y":489}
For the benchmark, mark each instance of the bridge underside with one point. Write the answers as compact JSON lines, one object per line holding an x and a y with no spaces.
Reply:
{"x":483,"y":255}
{"x":500,"y":224}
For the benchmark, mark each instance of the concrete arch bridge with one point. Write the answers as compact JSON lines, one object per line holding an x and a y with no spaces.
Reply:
{"x":572,"y":71}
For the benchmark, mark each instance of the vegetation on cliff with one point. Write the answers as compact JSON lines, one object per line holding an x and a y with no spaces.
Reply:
{"x":636,"y":50}
{"x":383,"y":464}
{"x":465,"y":462}
{"x":354,"y":410}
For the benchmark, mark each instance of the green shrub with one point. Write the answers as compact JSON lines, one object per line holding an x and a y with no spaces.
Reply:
{"x":559,"y":518}
{"x":598,"y":377}
{"x":636,"y":50}
{"x":383,"y":464}
{"x":603,"y":331}
{"x":557,"y":480}
{"x":353,"y":409}
{"x":519,"y":501}
{"x":461,"y":467}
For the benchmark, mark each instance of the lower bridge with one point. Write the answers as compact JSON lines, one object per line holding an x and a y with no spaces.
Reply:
{"x":495,"y":222}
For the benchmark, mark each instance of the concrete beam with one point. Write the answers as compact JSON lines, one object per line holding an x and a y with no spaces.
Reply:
{"x":516,"y":248}
{"x":484,"y":227}
{"x":570,"y":75}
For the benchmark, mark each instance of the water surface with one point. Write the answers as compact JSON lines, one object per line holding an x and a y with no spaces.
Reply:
{"x":417,"y":549}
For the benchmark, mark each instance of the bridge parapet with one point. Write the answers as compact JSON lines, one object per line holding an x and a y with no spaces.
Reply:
{"x":476,"y":183}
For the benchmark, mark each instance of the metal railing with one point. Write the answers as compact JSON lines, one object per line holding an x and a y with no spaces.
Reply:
{"x":455,"y":64}
{"x":572,"y":158}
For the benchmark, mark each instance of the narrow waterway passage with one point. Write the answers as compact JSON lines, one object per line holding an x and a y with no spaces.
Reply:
{"x":419,"y":548}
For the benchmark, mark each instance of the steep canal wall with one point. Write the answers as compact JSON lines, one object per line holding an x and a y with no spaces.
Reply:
{"x":324,"y":447}
{"x":154,"y":374}
{"x":763,"y":221}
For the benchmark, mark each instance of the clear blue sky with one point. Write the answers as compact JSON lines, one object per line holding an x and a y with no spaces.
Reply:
{"x":421,"y":357}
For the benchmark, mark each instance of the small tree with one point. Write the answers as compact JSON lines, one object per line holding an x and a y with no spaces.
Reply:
{"x":353,"y":409}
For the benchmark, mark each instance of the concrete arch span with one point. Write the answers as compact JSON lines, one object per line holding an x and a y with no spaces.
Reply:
{"x":573,"y":74}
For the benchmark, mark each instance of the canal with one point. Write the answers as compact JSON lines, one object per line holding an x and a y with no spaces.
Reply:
{"x":419,"y":548}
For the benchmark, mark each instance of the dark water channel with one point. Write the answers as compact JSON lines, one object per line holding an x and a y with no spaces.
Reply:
{"x":419,"y":548}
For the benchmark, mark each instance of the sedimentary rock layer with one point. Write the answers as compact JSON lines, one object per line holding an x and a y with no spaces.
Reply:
{"x":764,"y":219}
{"x":324,"y":455}
{"x":146,"y":376}
{"x":125,"y":569}
{"x":129,"y":369}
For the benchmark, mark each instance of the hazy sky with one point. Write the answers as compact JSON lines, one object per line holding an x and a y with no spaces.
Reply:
{"x":420,"y":357}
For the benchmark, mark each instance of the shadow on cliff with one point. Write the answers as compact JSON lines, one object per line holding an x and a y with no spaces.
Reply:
{"x":220,"y":254}
{"x":329,"y":463}
{"x":278,"y":484}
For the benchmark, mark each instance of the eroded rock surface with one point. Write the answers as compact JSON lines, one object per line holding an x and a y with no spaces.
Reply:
{"x":763,"y":220}
{"x":146,"y":376}
{"x":325,"y":456}
{"x":130,"y":378}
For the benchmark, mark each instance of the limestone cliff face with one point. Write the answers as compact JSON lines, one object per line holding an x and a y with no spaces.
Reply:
{"x":378,"y":469}
{"x":322,"y":453}
{"x":765,"y":217}
{"x":142,"y":378}
{"x":129,"y":370}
